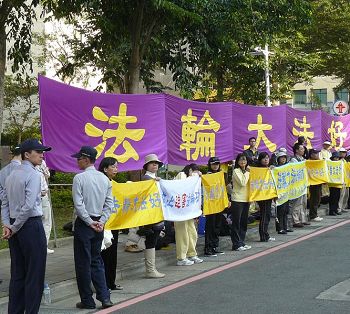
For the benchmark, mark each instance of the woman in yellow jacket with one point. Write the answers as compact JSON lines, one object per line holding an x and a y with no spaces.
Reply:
{"x":240,"y":204}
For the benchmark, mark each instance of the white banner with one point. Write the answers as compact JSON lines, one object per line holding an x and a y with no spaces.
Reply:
{"x":181,"y":199}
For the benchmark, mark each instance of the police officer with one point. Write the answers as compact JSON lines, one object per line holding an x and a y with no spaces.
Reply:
{"x":93,"y":203}
{"x":24,"y":230}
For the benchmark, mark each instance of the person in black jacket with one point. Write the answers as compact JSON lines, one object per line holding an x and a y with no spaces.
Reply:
{"x":212,"y":222}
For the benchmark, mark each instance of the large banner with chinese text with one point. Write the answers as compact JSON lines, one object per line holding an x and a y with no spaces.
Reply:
{"x":129,"y":127}
{"x":291,"y":181}
{"x":181,"y":199}
{"x":215,"y":198}
{"x":135,"y":204}
{"x":261,"y":184}
{"x":317,"y":171}
{"x":335,"y":173}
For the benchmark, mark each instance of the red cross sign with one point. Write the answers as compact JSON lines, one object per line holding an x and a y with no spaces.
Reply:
{"x":341,"y":107}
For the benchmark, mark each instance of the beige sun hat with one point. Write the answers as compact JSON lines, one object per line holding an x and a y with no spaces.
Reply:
{"x":327,"y":143}
{"x":152,"y":157}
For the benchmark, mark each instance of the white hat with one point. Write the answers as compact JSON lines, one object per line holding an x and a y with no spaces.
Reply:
{"x":281,"y":154}
{"x":342,"y":150}
{"x":151,"y":157}
{"x":327,"y":143}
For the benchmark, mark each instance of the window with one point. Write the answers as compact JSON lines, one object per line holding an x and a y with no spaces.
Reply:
{"x":319,"y":96}
{"x":341,"y":94}
{"x":299,"y":97}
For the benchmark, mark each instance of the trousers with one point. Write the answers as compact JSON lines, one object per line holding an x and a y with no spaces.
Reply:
{"x":239,"y":223}
{"x":185,"y":238}
{"x":28,"y":262}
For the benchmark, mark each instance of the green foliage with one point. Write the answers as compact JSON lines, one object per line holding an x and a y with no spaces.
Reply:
{"x":62,"y":198}
{"x":22,"y":105}
{"x":62,"y":178}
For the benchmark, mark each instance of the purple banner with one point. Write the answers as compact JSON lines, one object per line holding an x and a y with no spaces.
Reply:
{"x":336,"y":130}
{"x":128,"y":127}
{"x":304,"y":123}
{"x":197,"y":131}
{"x":261,"y":123}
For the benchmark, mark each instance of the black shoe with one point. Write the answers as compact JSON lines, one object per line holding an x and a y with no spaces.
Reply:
{"x":282,"y":232}
{"x":116,"y":287}
{"x":338,"y":213}
{"x":210,"y":254}
{"x":332,"y":214}
{"x":289,"y":230}
{"x":81,"y":305}
{"x":106,"y":304}
{"x":217,"y":251}
{"x":306,"y":224}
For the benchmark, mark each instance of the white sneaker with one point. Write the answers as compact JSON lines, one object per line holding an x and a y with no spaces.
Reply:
{"x":317,"y":219}
{"x":195,"y":259}
{"x":241,"y":248}
{"x":247,"y":247}
{"x":49,"y":251}
{"x":271,"y":239}
{"x":184,"y":262}
{"x":345,"y":210}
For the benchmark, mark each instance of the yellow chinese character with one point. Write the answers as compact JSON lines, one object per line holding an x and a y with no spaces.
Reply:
{"x":304,"y":131}
{"x":261,"y":127}
{"x":335,"y":132}
{"x":202,"y":142}
{"x":120,"y":133}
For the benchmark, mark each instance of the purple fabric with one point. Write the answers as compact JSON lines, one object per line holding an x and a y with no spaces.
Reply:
{"x":208,"y":129}
{"x":176,"y":108}
{"x":65,"y":110}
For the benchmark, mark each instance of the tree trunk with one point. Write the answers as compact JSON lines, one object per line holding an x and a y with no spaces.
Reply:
{"x":2,"y":72}
{"x":135,"y":57}
{"x":220,"y":85}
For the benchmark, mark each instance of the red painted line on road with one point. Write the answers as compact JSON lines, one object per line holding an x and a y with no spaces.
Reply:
{"x":217,"y":270}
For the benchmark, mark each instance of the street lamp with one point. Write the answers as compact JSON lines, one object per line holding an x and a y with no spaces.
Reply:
{"x":258,"y":51}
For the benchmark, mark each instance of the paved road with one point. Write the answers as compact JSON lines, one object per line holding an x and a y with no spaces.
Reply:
{"x":287,"y":281}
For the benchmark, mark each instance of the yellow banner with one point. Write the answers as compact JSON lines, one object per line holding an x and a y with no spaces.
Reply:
{"x":135,"y":204}
{"x":335,"y":173}
{"x":291,"y":181}
{"x":215,"y":198}
{"x":317,"y":171}
{"x":347,"y":173}
{"x":261,"y":185}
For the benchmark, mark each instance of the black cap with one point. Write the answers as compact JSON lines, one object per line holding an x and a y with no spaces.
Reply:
{"x":87,"y":151}
{"x":33,"y":144}
{"x":214,"y":160}
{"x":335,"y":155}
{"x":313,"y":151}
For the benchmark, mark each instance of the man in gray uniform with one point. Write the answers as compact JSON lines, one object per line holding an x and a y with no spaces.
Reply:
{"x":21,"y":218}
{"x":5,"y":172}
{"x":93,"y":203}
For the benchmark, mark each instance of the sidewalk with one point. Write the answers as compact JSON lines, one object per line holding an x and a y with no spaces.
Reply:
{"x":60,"y":266}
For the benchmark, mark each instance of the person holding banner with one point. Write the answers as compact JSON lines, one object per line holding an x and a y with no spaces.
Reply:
{"x":264,"y":205}
{"x":185,"y":231}
{"x":334,"y":193}
{"x":315,"y":191}
{"x":282,"y":210}
{"x":109,"y":167}
{"x":151,"y":232}
{"x":298,"y":205}
{"x":93,"y":204}
{"x":240,"y":203}
{"x":213,"y":221}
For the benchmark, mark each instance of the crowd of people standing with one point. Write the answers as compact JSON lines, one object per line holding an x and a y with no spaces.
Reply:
{"x":24,"y":191}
